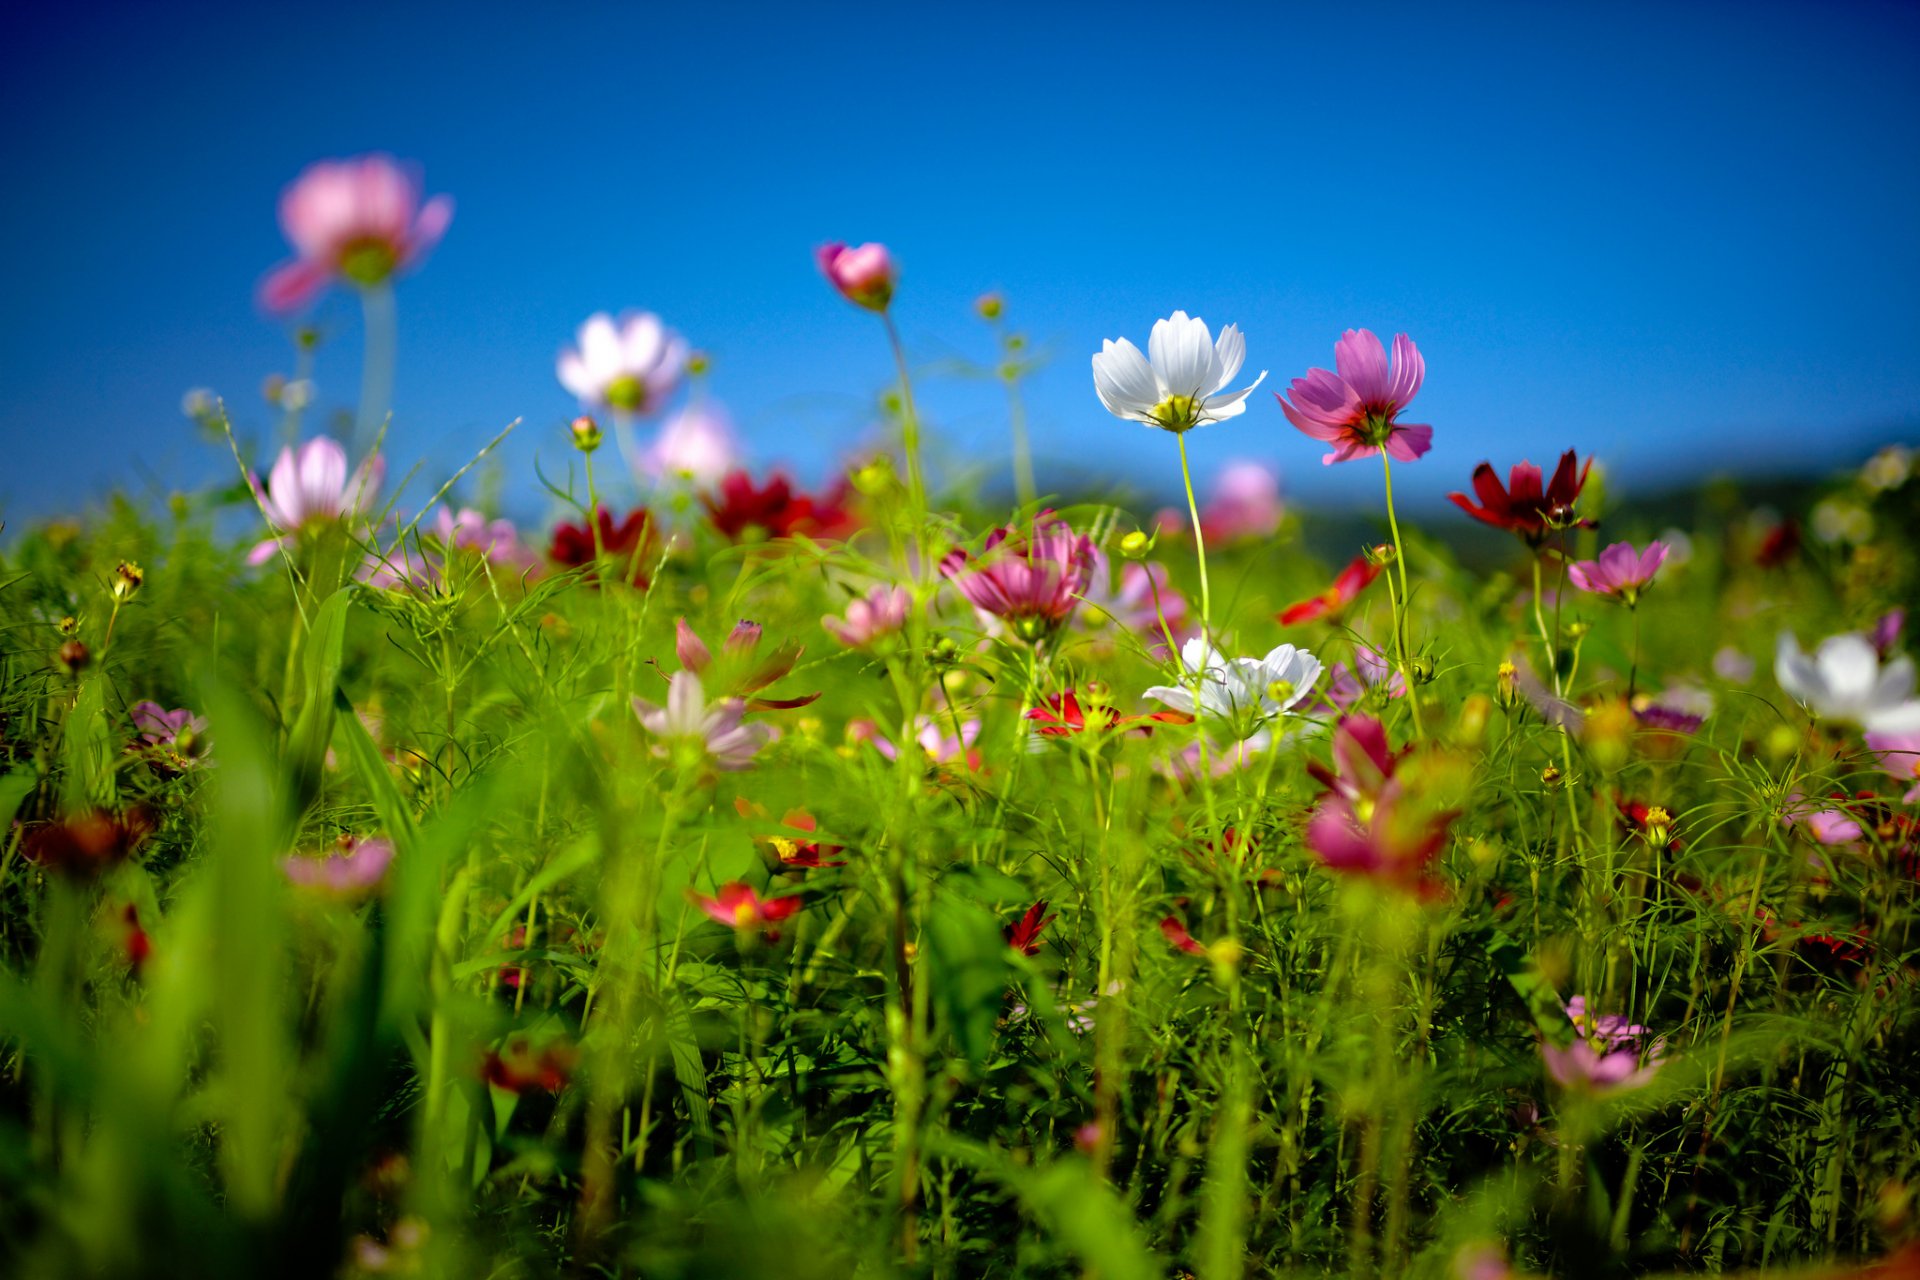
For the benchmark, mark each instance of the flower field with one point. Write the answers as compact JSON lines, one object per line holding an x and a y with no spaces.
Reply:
{"x":727,"y":877}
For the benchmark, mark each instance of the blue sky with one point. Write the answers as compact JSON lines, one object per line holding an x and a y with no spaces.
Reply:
{"x":1678,"y":236}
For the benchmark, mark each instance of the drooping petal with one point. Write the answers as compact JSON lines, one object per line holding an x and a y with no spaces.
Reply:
{"x":1362,"y":364}
{"x":1409,"y":371}
{"x":1410,"y":441}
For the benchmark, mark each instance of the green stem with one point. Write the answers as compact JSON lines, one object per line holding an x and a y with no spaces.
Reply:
{"x":376,"y":368}
{"x":909,"y":422}
{"x":1199,"y":541}
{"x":1405,"y":602}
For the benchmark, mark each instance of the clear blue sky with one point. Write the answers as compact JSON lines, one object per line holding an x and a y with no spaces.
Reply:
{"x":1677,"y":235}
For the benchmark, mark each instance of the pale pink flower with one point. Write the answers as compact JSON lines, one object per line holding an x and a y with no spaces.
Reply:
{"x":493,"y":540}
{"x":354,"y":867}
{"x":1620,"y":572}
{"x":864,"y":275}
{"x":940,"y":746}
{"x":1245,"y":503}
{"x":881,"y":612}
{"x":1129,"y":602}
{"x":1581,"y":1066}
{"x":160,"y":727}
{"x":697,"y":445}
{"x":311,"y":487}
{"x":1899,"y":755}
{"x":1356,"y":410}
{"x":1732,"y":665}
{"x":1610,"y":1030}
{"x":358,"y":220}
{"x":718,"y":730}
{"x":631,"y":367}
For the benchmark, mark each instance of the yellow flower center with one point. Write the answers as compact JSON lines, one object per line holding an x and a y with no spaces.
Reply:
{"x":1178,"y":413}
{"x":627,"y":393}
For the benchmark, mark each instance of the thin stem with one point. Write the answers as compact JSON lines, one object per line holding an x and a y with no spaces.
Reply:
{"x":1633,"y":671}
{"x":1199,"y":540}
{"x":909,"y":421}
{"x":1405,"y":602}
{"x":376,"y":368}
{"x":1024,"y":488}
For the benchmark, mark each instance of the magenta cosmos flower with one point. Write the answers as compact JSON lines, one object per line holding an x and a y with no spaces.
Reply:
{"x":1030,"y":579}
{"x":358,"y":220}
{"x":1580,"y":1066}
{"x":880,"y":613}
{"x":737,"y":906}
{"x":309,"y":487}
{"x":1356,"y":410}
{"x":864,"y":275}
{"x":353,"y":867}
{"x":1620,"y":572}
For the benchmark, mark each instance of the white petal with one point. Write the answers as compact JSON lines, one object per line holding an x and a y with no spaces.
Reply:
{"x":1848,"y":666}
{"x":600,"y":347}
{"x":1181,"y":350}
{"x":573,"y":375}
{"x":1797,"y":673}
{"x":1895,"y":685}
{"x":1123,"y":380}
{"x":1232,"y":405}
{"x":1903,"y":718}
{"x":641,"y":342}
{"x":1231,"y":352}
{"x":1178,"y":699}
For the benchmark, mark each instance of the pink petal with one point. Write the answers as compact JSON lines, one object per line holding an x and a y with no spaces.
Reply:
{"x":1362,"y":363}
{"x":1409,"y":371}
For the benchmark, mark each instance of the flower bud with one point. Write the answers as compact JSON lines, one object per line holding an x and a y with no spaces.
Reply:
{"x":1421,"y":669}
{"x":586,"y":434}
{"x":875,"y":478}
{"x":1657,"y":828}
{"x":990,"y":306}
{"x":1136,"y":545}
{"x":198,"y":404}
{"x":1381,"y":553}
{"x":698,"y":362}
{"x":1578,"y":628}
{"x":69,"y":626}
{"x":127,"y":577}
{"x":1473,"y":720}
{"x":1550,"y":777}
{"x":864,"y":275}
{"x":74,"y":655}
{"x":1506,"y":686}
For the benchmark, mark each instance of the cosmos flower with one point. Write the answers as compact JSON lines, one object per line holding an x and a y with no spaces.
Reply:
{"x":1177,"y":935}
{"x":358,"y":220}
{"x":1391,"y":837}
{"x":736,"y":671}
{"x":1030,"y":578}
{"x":1610,"y":1031}
{"x":940,"y":746}
{"x":1620,"y":572}
{"x":737,"y":906}
{"x":881,"y":612}
{"x":1843,"y":680}
{"x":1582,"y":1067}
{"x":1370,"y":671}
{"x":1063,"y":716}
{"x":309,"y":487}
{"x":1245,"y":503}
{"x":517,"y":1066}
{"x":352,"y":868}
{"x":1522,"y":506}
{"x":1136,"y":601}
{"x":627,"y":545}
{"x":1024,"y":934}
{"x":1899,"y":755}
{"x":745,"y":512}
{"x":1346,"y":588}
{"x":1356,"y":410}
{"x":630,"y":368}
{"x":864,"y":275}
{"x":86,"y":844}
{"x":493,"y":540}
{"x":180,"y":734}
{"x":717,"y":731}
{"x":696,"y":444}
{"x":1245,"y":691}
{"x":1181,"y":382}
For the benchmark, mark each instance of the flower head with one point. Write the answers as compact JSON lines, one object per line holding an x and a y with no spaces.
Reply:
{"x":737,"y":906}
{"x":176,"y":738}
{"x":627,"y":545}
{"x":865,"y":275}
{"x":717,"y":733}
{"x":1024,"y":934}
{"x":1062,"y":715}
{"x":518,"y":1066}
{"x":1346,"y":588}
{"x":87,"y":843}
{"x":881,"y":612}
{"x":1245,"y":503}
{"x":940,"y":745}
{"x":310,"y":487}
{"x":1030,"y":579}
{"x":1392,"y":838}
{"x":1522,"y":506}
{"x":736,"y":670}
{"x":630,"y":367}
{"x":1620,"y":572}
{"x":1356,"y":410}
{"x":1899,"y":755}
{"x":352,"y":868}
{"x":1843,"y":680}
{"x":696,"y":444}
{"x":746,"y":512}
{"x":1137,"y":602}
{"x":1181,"y":383}
{"x":1247,"y":692}
{"x":1581,"y":1066}
{"x":358,"y":220}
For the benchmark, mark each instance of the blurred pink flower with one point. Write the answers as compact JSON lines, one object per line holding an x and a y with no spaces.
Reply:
{"x":1370,"y":670}
{"x":1130,"y":602}
{"x":495,"y":541}
{"x":1581,"y":1066}
{"x":1899,"y":755}
{"x":1620,"y":572}
{"x":310,"y":486}
{"x":1029,"y":578}
{"x":354,"y":867}
{"x":880,"y":613}
{"x":1732,"y":665}
{"x":358,"y":220}
{"x":697,"y":444}
{"x":737,"y":906}
{"x":1886,"y":632}
{"x":1611,"y":1030}
{"x":718,"y":730}
{"x":940,"y":746}
{"x":865,"y":275}
{"x":1356,"y":410}
{"x":1245,"y":503}
{"x":630,"y":368}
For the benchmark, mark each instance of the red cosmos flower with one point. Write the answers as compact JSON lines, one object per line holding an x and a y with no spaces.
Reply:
{"x":1522,"y":506}
{"x":136,"y":944}
{"x":627,"y":544}
{"x":748,"y":513}
{"x":1064,"y":717}
{"x":517,"y":1066}
{"x":1024,"y":934}
{"x":1176,"y":933}
{"x":1345,"y":589}
{"x":1634,"y":817}
{"x":88,"y":843}
{"x":738,"y":907}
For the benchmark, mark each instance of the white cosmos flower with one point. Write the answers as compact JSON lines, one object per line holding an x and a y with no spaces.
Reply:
{"x":1247,"y":691}
{"x":1843,"y":680}
{"x":631,"y":367}
{"x":1184,"y":386}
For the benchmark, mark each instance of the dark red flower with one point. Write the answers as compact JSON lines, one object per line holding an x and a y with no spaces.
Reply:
{"x":1176,"y":933}
{"x":1024,"y":934}
{"x":801,"y":852}
{"x":628,"y":545}
{"x":88,"y":843}
{"x":745,"y":512}
{"x":517,"y":1066}
{"x":1780,"y":545}
{"x":1345,"y":589}
{"x":1522,"y":506}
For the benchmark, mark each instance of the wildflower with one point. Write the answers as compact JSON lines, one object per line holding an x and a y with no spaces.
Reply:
{"x":517,"y":1066}
{"x":1506,"y":685}
{"x":736,"y":670}
{"x":1886,"y":632}
{"x":716,"y":732}
{"x":310,"y":487}
{"x":1522,"y":506}
{"x":1371,"y":671}
{"x":1609,"y":1031}
{"x":176,"y":739}
{"x":1391,"y":838}
{"x":1363,"y":760}
{"x":1181,"y":383}
{"x":127,"y":579}
{"x":1137,"y":601}
{"x":586,"y":433}
{"x":353,"y":868}
{"x":1357,"y":409}
{"x":358,"y":220}
{"x":745,"y":512}
{"x":793,"y":852}
{"x":630,"y":368}
{"x":1176,"y":933}
{"x":1029,"y":579}
{"x":87,"y":843}
{"x":939,"y":746}
{"x":1843,"y":680}
{"x":1245,"y":503}
{"x":1346,"y":588}
{"x":1674,"y":710}
{"x":1898,"y":754}
{"x":738,"y":907}
{"x":880,"y":613}
{"x":1064,"y":716}
{"x":627,"y":545}
{"x":493,"y":540}
{"x":864,"y":275}
{"x":1246,"y":691}
{"x":697,"y":444}
{"x":1732,"y":665}
{"x":1580,"y":1066}
{"x":1620,"y":572}
{"x":1024,"y":934}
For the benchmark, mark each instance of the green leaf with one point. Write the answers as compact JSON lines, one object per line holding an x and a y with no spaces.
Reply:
{"x":313,"y":728}
{"x":967,"y":963}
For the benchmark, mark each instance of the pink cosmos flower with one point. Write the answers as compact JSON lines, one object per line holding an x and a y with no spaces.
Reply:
{"x":495,"y":541}
{"x":1732,"y":665}
{"x":940,"y":746}
{"x":170,"y":729}
{"x":737,"y":906}
{"x":1886,"y":632}
{"x":629,"y":368}
{"x":880,"y":613}
{"x":1581,"y":1066}
{"x":1357,"y":409}
{"x":1245,"y":503}
{"x":1611,"y":1030}
{"x":310,"y":487}
{"x":354,"y":868}
{"x":697,"y":445}
{"x":718,"y":731}
{"x":358,"y":220}
{"x":1620,"y":572}
{"x":1899,"y":755}
{"x":1370,"y":671}
{"x":736,"y":670}
{"x":1030,"y":579}
{"x":865,"y":275}
{"x":1130,"y":602}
